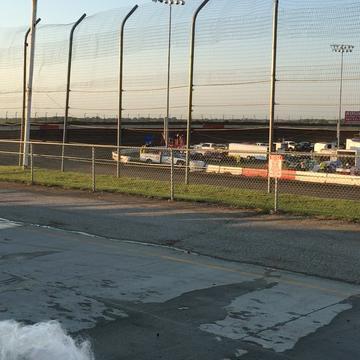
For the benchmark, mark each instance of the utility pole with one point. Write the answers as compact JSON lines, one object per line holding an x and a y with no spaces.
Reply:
{"x":30,"y":83}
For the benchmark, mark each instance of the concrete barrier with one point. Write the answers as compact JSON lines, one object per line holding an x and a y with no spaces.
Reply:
{"x":217,"y":169}
{"x":324,"y":178}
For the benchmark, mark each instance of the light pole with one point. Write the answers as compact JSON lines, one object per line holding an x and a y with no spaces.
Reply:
{"x":341,"y":48}
{"x":170,"y":3}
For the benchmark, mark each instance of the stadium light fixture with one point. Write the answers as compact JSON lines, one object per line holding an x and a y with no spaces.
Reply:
{"x":170,"y":3}
{"x":342,"y":49}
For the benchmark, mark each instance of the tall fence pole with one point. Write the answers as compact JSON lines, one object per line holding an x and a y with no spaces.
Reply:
{"x":24,"y":93}
{"x":121,"y":79}
{"x":65,"y":135}
{"x":273,"y":83}
{"x":27,"y":123}
{"x":191,"y":88}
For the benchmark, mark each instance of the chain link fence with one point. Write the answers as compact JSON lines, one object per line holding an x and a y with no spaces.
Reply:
{"x":231,"y":71}
{"x":310,"y":183}
{"x":316,"y":81}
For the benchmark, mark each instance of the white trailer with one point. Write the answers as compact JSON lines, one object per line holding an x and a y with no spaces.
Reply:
{"x":325,"y":148}
{"x":353,"y":144}
{"x":248,"y":151}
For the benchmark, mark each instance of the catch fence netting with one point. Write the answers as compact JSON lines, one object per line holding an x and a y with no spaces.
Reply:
{"x":308,"y":71}
{"x":11,"y":53}
{"x":232,"y":63}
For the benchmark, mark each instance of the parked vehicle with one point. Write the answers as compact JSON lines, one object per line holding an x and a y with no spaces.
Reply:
{"x":295,"y":162}
{"x":325,"y":148}
{"x":285,"y":145}
{"x":126,"y":155}
{"x":349,"y":161}
{"x":290,"y":145}
{"x":303,"y":146}
{"x":163,"y":156}
{"x":353,"y":144}
{"x":204,"y":148}
{"x":248,"y":151}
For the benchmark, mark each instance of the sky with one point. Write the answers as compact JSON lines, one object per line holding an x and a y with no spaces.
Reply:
{"x":232,"y":65}
{"x":17,"y":12}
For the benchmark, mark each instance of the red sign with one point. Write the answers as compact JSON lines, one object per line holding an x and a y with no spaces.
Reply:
{"x":275,"y":166}
{"x":352,"y":117}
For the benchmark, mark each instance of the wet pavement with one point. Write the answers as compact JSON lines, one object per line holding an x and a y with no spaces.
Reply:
{"x":142,"y":301}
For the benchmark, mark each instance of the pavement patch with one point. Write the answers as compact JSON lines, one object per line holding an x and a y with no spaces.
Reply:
{"x":278,"y":317}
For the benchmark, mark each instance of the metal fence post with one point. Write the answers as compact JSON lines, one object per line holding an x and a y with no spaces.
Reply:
{"x":32,"y":163}
{"x":93,"y":170}
{"x":118,"y":162}
{"x":172,"y":176}
{"x":273,"y":84}
{"x":65,"y":136}
{"x":27,"y":123}
{"x":121,"y":77}
{"x":24,"y":93}
{"x":191,"y":89}
{"x":276,"y":195}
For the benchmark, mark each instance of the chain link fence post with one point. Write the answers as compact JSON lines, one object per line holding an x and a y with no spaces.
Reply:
{"x":118,"y":162}
{"x":32,"y":164}
{"x":172,"y":176}
{"x":276,"y":195}
{"x":93,"y":170}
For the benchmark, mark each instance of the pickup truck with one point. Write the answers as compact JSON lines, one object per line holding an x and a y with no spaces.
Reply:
{"x":205,"y":148}
{"x":155,"y":156}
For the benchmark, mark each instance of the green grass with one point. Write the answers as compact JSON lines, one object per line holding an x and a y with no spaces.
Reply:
{"x":240,"y":198}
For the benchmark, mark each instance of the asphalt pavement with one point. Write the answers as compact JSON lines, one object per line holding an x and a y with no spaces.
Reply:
{"x":330,"y":249}
{"x":136,"y":301}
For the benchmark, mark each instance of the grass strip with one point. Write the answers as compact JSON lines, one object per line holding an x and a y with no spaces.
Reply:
{"x":339,"y":209}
